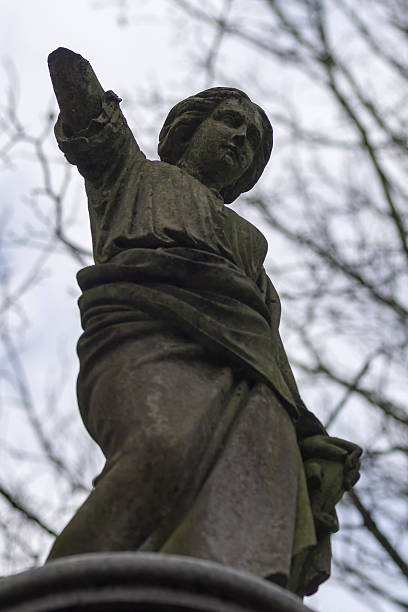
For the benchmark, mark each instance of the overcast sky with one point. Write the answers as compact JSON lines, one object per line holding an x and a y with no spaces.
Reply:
{"x":147,"y":52}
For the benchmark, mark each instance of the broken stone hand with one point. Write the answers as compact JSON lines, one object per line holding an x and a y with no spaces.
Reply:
{"x":331,"y":467}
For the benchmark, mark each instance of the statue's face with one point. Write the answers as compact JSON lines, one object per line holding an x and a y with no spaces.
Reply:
{"x":223,"y":147}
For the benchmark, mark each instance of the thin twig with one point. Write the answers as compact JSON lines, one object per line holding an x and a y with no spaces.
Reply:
{"x":31,"y":516}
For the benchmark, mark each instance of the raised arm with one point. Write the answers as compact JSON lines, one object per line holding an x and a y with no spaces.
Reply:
{"x":91,"y":130}
{"x":77,"y":89}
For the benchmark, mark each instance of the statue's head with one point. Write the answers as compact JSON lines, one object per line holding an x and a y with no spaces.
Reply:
{"x":221,"y":137}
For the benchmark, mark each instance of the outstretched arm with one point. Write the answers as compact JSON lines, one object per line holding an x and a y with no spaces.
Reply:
{"x":78,"y":91}
{"x":91,"y":129}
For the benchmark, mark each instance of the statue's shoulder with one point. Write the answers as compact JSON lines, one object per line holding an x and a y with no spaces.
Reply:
{"x":245,"y":228}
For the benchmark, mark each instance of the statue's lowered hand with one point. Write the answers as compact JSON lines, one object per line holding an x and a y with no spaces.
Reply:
{"x":334,"y":449}
{"x":331,"y":467}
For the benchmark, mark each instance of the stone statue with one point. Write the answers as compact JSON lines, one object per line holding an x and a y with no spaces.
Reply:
{"x":184,"y":382}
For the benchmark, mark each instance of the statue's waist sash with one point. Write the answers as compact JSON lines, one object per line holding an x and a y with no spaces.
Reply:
{"x":203,"y":294}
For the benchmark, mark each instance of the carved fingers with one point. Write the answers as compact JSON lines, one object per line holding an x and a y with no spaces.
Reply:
{"x":331,"y":467}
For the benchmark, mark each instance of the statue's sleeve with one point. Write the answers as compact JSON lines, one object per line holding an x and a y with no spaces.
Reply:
{"x":307,"y":424}
{"x":104,"y":147}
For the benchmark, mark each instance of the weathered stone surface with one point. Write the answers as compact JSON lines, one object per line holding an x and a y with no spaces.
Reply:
{"x":184,"y":382}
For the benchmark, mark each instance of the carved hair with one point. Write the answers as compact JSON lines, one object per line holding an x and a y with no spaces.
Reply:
{"x":186,"y":116}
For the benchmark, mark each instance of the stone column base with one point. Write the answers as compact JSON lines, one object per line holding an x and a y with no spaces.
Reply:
{"x":136,"y":582}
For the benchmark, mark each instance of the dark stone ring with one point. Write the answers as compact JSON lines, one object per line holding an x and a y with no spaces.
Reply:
{"x":136,"y":582}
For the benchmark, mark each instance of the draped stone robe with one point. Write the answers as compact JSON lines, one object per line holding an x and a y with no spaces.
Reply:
{"x":178,"y":294}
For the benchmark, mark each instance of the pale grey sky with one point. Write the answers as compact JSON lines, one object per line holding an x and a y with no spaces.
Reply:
{"x":147,"y":52}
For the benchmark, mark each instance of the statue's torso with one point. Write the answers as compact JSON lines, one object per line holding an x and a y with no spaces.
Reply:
{"x":154,"y":204}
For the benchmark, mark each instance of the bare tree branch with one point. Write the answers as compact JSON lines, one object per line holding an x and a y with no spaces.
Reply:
{"x":378,"y":534}
{"x":31,"y":516}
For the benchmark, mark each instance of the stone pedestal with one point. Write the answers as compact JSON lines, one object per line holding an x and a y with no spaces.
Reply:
{"x":136,"y":582}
